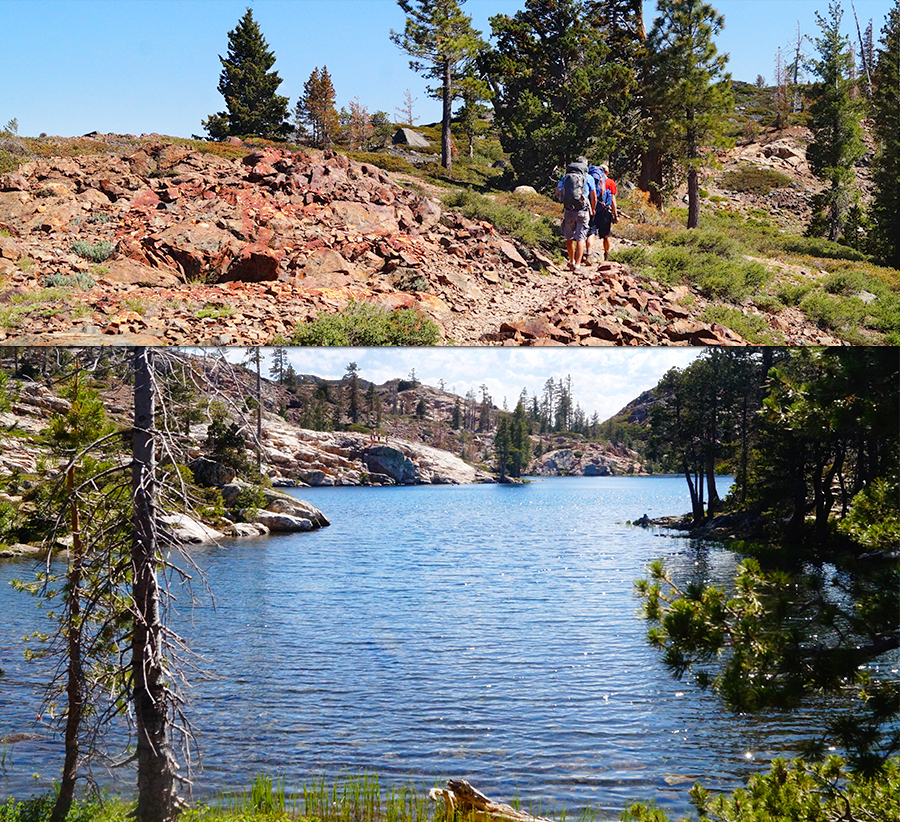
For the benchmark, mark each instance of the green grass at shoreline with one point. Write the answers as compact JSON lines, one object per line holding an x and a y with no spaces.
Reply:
{"x":787,"y":792}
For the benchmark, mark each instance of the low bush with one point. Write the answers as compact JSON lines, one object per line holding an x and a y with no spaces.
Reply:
{"x":362,"y":323}
{"x":844,"y":282}
{"x":754,"y":180}
{"x":751,"y":327}
{"x":383,"y":160}
{"x":81,"y":280}
{"x":509,"y":218}
{"x":793,"y":293}
{"x":831,"y":313}
{"x":818,"y":247}
{"x":715,"y":274}
{"x":635,"y":256}
{"x":710,"y":242}
{"x":95,"y":252}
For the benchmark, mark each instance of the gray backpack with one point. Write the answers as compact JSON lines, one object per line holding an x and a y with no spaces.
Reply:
{"x":574,"y":196}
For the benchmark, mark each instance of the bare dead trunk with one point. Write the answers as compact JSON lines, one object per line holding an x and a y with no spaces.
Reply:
{"x":446,"y":137}
{"x":157,"y":793}
{"x":472,"y":803}
{"x":75,"y":675}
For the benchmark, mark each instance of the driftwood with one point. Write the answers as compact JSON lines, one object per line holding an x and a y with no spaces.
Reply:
{"x":460,"y":794}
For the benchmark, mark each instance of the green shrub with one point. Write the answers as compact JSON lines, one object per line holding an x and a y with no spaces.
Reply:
{"x":818,"y":247}
{"x":768,"y":303}
{"x":383,"y":160}
{"x":829,"y":312}
{"x":81,"y":280}
{"x":844,"y":282}
{"x":359,"y":428}
{"x":711,"y":242}
{"x":635,"y":256}
{"x":754,"y":180}
{"x":793,"y":293}
{"x":510,"y":218}
{"x":753,"y":328}
{"x":642,"y":232}
{"x":96,"y":252}
{"x":671,"y":264}
{"x":716,"y":274}
{"x":363,"y":323}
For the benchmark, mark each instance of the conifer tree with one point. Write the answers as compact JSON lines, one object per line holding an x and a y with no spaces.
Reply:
{"x":834,"y":120}
{"x":691,"y":90}
{"x":315,"y":109}
{"x":886,"y":114}
{"x":440,"y":39}
{"x":550,"y":78}
{"x":248,"y":85}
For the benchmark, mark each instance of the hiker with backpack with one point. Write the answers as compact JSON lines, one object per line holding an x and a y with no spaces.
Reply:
{"x":606,"y":213}
{"x":578,"y":194}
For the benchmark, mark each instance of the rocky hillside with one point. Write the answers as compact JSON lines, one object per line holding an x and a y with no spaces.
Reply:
{"x":148,"y":242}
{"x":587,"y":459}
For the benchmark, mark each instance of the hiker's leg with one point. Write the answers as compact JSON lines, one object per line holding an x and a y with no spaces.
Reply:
{"x":579,"y":251}
{"x":605,"y":246}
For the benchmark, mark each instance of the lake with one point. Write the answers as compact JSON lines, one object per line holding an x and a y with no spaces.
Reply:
{"x":487,"y":632}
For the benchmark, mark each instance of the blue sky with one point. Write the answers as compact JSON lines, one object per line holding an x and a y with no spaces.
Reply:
{"x":142,"y":66}
{"x":603,"y":379}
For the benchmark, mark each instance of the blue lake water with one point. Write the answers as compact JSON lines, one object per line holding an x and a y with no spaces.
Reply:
{"x":484,"y":632}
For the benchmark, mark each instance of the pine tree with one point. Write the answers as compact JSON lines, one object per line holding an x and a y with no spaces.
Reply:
{"x":351,"y":377}
{"x":834,"y":120}
{"x":886,"y":114}
{"x":440,"y":39}
{"x":248,"y":86}
{"x":691,"y":92}
{"x":315,"y":113}
{"x":551,"y":80}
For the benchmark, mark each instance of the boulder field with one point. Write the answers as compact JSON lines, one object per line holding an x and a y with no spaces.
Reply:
{"x":205,"y":250}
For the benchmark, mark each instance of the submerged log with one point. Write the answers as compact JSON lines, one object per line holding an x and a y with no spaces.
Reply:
{"x":460,"y":794}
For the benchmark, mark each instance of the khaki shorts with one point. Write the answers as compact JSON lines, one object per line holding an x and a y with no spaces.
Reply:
{"x":575,"y":224}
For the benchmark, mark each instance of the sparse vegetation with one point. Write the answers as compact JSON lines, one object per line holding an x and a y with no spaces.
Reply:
{"x":95,"y":252}
{"x":81,"y":281}
{"x":509,"y":216}
{"x":751,"y":327}
{"x":362,"y":323}
{"x":754,"y":180}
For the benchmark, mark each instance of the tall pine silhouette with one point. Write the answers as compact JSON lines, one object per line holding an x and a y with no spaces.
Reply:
{"x":248,"y":85}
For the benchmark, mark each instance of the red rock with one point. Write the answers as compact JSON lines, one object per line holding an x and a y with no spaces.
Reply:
{"x":511,"y":253}
{"x":131,"y":272}
{"x":254,"y":264}
{"x":605,"y":329}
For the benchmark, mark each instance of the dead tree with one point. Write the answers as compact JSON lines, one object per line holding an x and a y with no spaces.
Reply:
{"x":157,"y":768}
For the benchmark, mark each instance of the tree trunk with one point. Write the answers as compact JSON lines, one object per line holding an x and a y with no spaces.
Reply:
{"x":446,"y":137}
{"x":834,"y":213}
{"x":693,"y":177}
{"x":75,"y":674}
{"x":651,"y":177}
{"x":157,"y":793}
{"x":712,"y":492}
{"x":696,"y":499}
{"x":693,"y":180}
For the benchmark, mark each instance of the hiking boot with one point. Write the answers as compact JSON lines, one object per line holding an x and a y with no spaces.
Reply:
{"x":576,"y":268}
